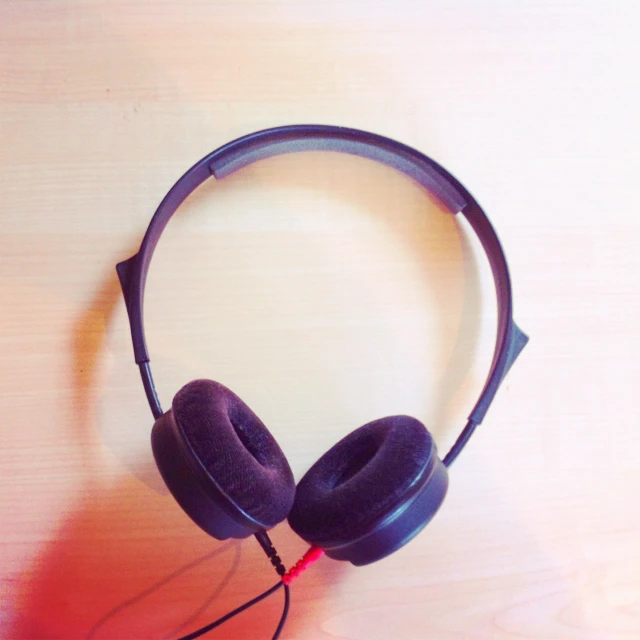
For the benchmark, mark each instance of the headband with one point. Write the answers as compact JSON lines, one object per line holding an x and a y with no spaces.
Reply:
{"x":271,"y":142}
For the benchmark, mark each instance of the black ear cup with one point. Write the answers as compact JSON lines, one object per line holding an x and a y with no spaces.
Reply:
{"x":221,"y":463}
{"x":372,"y":492}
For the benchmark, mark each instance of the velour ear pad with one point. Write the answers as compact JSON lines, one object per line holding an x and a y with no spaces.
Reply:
{"x":372,"y":492}
{"x":221,"y":463}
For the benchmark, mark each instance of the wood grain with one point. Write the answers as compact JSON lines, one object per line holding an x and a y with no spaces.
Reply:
{"x":326,"y":291}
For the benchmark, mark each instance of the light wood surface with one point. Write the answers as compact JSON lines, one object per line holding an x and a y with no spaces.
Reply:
{"x":326,"y":291}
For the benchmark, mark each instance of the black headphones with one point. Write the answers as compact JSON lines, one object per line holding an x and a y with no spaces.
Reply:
{"x":379,"y":486}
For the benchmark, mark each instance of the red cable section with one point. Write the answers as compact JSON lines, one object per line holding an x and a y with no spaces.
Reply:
{"x":312,"y":555}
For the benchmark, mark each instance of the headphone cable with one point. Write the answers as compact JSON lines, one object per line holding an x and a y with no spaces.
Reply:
{"x":285,"y":612}
{"x":244,"y":607}
{"x":313,"y":554}
{"x":267,"y":546}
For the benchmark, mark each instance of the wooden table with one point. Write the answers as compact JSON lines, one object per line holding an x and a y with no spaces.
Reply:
{"x":326,"y":291}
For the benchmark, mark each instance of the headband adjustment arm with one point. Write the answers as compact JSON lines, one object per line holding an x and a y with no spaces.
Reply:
{"x":516,"y":341}
{"x":130,"y":284}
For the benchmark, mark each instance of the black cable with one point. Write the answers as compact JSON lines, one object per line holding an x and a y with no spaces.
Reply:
{"x":267,"y":546}
{"x":240,"y":609}
{"x":285,"y":612}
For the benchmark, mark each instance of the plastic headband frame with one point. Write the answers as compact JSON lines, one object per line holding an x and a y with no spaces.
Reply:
{"x":280,"y":140}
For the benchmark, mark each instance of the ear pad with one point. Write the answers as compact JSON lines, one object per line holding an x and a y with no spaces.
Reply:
{"x":221,"y":463}
{"x":372,"y":492}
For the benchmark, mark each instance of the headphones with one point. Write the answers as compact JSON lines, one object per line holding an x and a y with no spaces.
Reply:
{"x":379,"y":486}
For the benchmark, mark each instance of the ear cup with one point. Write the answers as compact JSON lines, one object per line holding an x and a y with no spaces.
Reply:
{"x":372,"y":492}
{"x":220,"y":461}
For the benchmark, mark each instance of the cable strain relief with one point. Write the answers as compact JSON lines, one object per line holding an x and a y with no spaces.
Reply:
{"x":267,"y":546}
{"x":312,"y":555}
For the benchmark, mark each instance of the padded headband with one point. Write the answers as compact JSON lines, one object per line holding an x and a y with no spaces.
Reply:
{"x":271,"y":142}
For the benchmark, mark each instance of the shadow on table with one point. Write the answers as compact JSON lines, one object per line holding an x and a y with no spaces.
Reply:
{"x":127,"y":562}
{"x":126,"y":566}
